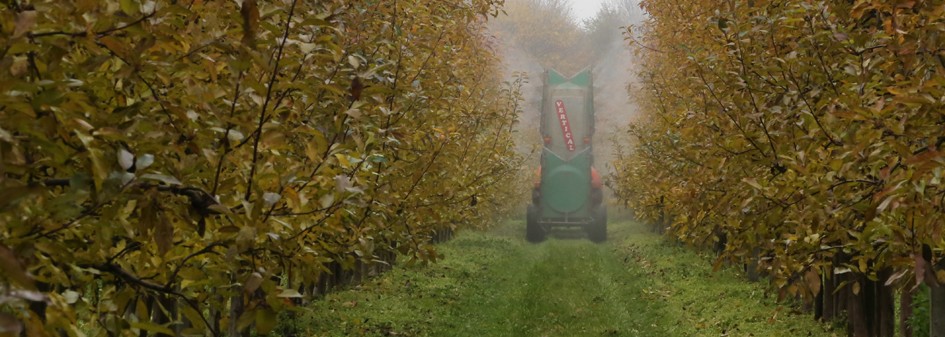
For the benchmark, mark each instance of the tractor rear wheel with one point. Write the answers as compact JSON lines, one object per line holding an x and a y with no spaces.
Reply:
{"x":533,"y":230}
{"x":597,"y":231}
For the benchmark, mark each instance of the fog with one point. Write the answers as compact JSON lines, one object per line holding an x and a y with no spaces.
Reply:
{"x":542,"y":34}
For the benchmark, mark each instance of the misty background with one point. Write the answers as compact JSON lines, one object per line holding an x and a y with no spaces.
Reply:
{"x":534,"y":35}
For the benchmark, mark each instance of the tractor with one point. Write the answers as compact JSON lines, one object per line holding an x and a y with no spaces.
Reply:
{"x":567,"y":191}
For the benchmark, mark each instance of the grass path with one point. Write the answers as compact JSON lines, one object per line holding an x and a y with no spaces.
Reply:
{"x":496,"y":284}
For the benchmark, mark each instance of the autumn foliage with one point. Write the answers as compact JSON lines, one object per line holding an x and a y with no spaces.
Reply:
{"x":804,"y":136}
{"x":193,"y":166}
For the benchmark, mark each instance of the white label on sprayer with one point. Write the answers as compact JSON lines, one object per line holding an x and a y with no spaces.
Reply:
{"x":565,"y":125}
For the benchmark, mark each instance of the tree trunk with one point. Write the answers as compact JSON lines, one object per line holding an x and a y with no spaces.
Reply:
{"x":661,"y":224}
{"x":753,"y":266}
{"x":905,"y":305}
{"x":829,"y":294}
{"x":216,"y":314}
{"x":842,"y":299}
{"x":884,"y":308}
{"x":937,"y":314}
{"x":857,"y":311}
{"x":820,"y":299}
{"x":321,"y":287}
{"x":236,"y":310}
{"x":163,"y":311}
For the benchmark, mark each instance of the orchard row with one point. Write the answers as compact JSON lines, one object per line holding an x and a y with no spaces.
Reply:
{"x":198,"y":167}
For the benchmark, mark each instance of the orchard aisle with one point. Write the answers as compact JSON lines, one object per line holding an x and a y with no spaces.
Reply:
{"x":496,"y":284}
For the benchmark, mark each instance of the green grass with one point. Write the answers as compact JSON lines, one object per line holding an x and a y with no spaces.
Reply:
{"x":703,"y":302}
{"x":495,"y":284}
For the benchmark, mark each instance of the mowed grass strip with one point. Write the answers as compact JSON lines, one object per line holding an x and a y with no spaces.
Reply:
{"x":703,"y":302}
{"x":493,"y":283}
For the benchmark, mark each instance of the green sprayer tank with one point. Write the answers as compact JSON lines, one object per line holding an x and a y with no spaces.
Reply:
{"x":567,"y":192}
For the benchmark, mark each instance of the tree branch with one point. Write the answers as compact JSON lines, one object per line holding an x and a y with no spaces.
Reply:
{"x":98,"y":34}
{"x":262,"y":114}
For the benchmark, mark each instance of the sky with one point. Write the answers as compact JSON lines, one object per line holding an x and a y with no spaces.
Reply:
{"x":583,"y":9}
